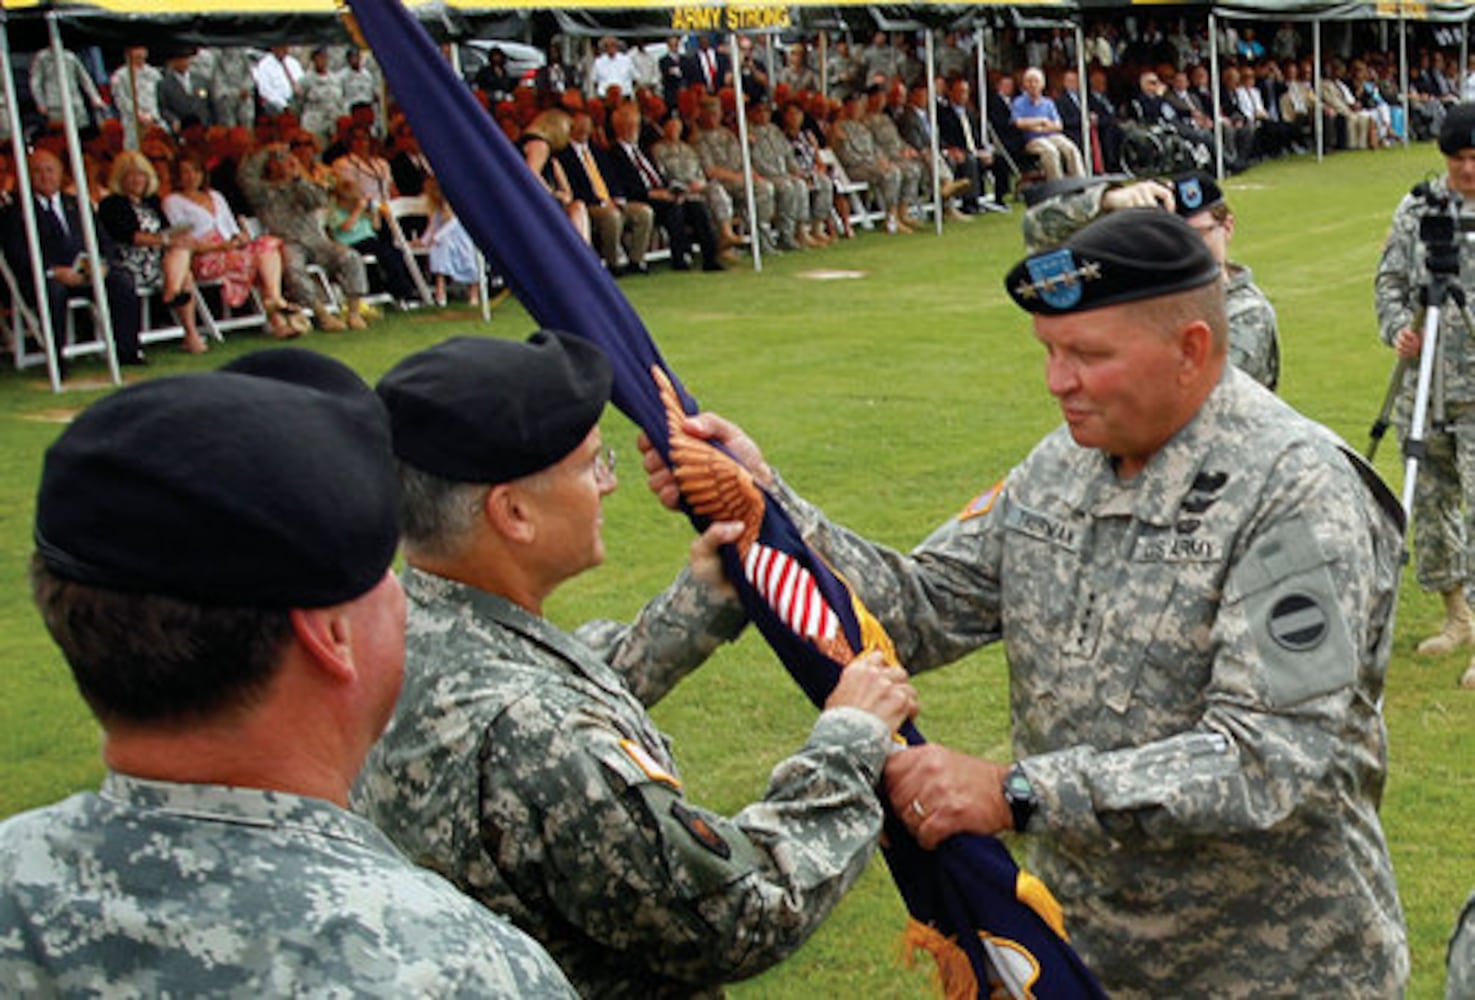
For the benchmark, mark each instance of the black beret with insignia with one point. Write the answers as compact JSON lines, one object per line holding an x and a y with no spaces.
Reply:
{"x":1195,"y":192}
{"x":1136,"y":253}
{"x":270,"y":485}
{"x":1458,"y":130}
{"x":482,"y":410}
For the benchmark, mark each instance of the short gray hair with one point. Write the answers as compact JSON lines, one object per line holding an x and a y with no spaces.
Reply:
{"x":438,"y":515}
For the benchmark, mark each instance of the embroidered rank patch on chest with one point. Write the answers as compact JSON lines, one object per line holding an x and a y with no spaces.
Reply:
{"x":647,"y":763}
{"x":983,"y":503}
{"x":701,"y":831}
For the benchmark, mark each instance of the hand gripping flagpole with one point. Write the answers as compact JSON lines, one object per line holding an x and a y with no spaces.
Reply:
{"x":989,"y":923}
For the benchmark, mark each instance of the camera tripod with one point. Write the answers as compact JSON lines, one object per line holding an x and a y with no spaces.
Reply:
{"x":1441,"y":288}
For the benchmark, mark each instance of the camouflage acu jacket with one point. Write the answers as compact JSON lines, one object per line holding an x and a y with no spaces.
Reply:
{"x":1400,"y":278}
{"x":1196,"y":660}
{"x":157,"y":889}
{"x":521,"y":764}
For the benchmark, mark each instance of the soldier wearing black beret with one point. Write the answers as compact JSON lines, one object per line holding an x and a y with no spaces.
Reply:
{"x":521,"y":760}
{"x":1254,"y":337}
{"x":1443,"y":546}
{"x":212,"y":556}
{"x":1193,"y":585}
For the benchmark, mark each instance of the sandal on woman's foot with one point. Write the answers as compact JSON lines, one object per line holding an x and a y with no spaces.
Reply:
{"x":280,"y":326}
{"x":196,"y":346}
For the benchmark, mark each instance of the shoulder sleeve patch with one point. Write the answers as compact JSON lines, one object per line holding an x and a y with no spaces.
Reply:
{"x":983,"y":503}
{"x":701,"y":831}
{"x":648,"y":764}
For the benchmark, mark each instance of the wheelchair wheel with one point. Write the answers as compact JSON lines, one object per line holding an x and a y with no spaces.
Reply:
{"x":1143,"y":154}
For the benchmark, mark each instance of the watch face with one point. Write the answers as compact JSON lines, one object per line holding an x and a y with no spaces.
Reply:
{"x":1017,"y":784}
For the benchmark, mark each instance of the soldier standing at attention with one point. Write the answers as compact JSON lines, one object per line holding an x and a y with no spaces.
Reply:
{"x":521,"y":761}
{"x":1444,"y":494}
{"x":225,"y":605}
{"x":1193,"y":584}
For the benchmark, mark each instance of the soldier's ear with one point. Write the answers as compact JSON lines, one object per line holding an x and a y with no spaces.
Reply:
{"x":1196,"y":346}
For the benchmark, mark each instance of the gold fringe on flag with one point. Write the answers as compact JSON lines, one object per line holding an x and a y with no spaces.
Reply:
{"x":954,"y":973}
{"x":1033,"y":893}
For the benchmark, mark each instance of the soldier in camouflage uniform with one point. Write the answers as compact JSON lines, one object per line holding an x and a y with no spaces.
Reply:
{"x":1194,"y":587}
{"x":682,"y":164}
{"x":233,"y":88}
{"x":226,"y":609}
{"x":722,"y":160}
{"x":773,"y":160}
{"x":1460,"y":982}
{"x":856,"y":150}
{"x":889,"y":143}
{"x":522,"y":763}
{"x":1254,"y":337}
{"x":1443,"y":512}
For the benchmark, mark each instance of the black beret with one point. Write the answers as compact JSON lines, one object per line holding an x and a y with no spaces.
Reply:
{"x":1136,"y":253}
{"x":1195,"y":192}
{"x":481,"y":410}
{"x":269,"y":484}
{"x":1458,"y":130}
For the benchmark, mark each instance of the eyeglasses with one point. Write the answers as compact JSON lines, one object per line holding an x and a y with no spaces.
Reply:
{"x":1205,"y":228}
{"x":604,"y":465}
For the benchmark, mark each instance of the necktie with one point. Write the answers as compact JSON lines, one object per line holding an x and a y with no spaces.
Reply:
{"x":967,"y":128}
{"x":596,"y":179}
{"x":647,"y":170}
{"x":53,"y":205}
{"x":709,"y":67}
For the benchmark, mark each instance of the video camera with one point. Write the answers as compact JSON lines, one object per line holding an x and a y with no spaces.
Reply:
{"x":1439,"y":229}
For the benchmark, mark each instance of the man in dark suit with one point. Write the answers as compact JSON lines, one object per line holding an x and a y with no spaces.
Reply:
{"x":588,"y":170}
{"x":707,"y":66}
{"x":183,"y":95}
{"x":637,"y":178}
{"x":672,"y":66}
{"x":962,"y":140}
{"x":60,"y":229}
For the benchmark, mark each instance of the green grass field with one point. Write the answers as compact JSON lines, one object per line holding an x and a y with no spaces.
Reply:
{"x":891,"y":397}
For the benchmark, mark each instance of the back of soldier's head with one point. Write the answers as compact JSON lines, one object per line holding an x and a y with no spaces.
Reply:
{"x":180,"y":520}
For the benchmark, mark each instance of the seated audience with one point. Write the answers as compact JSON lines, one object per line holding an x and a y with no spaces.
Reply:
{"x":155,"y":254}
{"x":224,"y":253}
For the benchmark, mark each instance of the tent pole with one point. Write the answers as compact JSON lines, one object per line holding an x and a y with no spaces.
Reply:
{"x":932,"y":149}
{"x":1403,"y":73}
{"x":1084,"y":98}
{"x":28,"y":217}
{"x":1214,"y":93}
{"x":84,"y":201}
{"x":1316,"y":85}
{"x":824,"y":63}
{"x":755,"y":228}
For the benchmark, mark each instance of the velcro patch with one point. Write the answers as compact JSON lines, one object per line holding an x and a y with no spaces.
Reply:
{"x":701,"y":830}
{"x":647,"y":763}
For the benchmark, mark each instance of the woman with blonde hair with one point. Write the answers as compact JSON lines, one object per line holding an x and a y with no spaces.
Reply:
{"x":226,"y":254}
{"x":545,"y":135}
{"x":156,"y":255}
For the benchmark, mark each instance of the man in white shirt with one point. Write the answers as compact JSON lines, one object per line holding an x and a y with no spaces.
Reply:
{"x":612,"y":68}
{"x":277,"y":74}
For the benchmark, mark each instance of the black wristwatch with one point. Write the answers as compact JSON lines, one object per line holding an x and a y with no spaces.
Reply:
{"x":1020,"y":795}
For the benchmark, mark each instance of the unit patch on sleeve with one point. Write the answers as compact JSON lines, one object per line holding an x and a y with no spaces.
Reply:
{"x":701,"y":830}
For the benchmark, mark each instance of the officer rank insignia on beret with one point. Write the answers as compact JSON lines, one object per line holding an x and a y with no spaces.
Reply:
{"x":1136,"y":253}
{"x":1056,"y":278}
